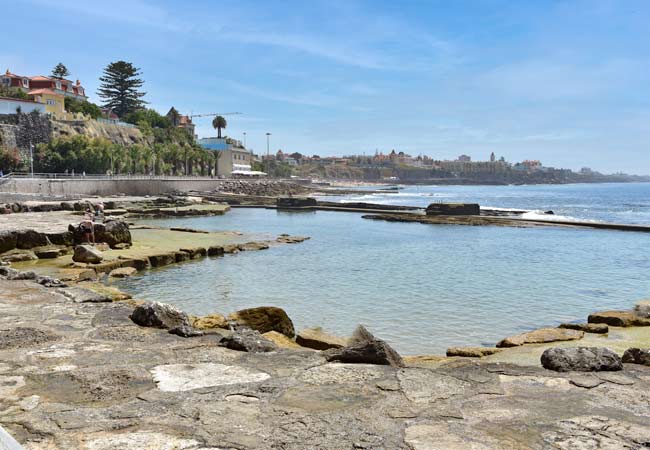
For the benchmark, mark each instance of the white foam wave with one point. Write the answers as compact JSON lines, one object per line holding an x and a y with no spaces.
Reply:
{"x":539,"y":215}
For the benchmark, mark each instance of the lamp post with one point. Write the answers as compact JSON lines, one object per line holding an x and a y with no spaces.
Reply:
{"x":244,"y":139}
{"x":268,"y":155}
{"x":31,"y":159}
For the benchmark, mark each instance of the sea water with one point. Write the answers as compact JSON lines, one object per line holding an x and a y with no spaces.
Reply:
{"x":421,"y":287}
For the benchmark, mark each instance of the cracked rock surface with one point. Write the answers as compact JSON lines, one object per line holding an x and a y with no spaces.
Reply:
{"x":84,"y":376}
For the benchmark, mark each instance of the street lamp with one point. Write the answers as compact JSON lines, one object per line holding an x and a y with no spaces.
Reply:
{"x":244,"y":139}
{"x":31,"y":158}
{"x":268,"y":155}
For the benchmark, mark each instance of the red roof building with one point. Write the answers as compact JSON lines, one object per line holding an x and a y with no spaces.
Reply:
{"x":60,"y":86}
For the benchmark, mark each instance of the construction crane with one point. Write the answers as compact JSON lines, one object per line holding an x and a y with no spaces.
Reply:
{"x":215,"y":114}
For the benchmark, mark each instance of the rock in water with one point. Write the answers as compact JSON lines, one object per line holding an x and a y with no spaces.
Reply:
{"x":159,"y":315}
{"x":247,"y":340}
{"x":364,"y":348}
{"x":618,"y":319}
{"x":599,"y":328}
{"x":264,"y":319}
{"x":642,"y":309}
{"x":123,"y":272}
{"x":87,"y":254}
{"x":581,"y":359}
{"x":541,"y":336}
{"x":637,"y":356}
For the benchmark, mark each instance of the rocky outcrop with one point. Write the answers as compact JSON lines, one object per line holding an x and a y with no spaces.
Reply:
{"x":318,"y":339}
{"x":209,"y":322}
{"x":618,"y":319}
{"x":159,"y":315}
{"x":541,"y":336}
{"x":8,"y":241}
{"x":264,"y":319}
{"x":123,"y":272}
{"x":247,"y":340}
{"x":281,"y":340}
{"x":637,"y":356}
{"x":121,"y":135}
{"x":87,"y":254}
{"x":83,"y":295}
{"x":472,"y":352}
{"x":28,"y":239}
{"x":581,"y":359}
{"x":364,"y":348}
{"x":13,"y":256}
{"x":598,"y":328}
{"x":185,"y":331}
{"x":112,"y":232}
{"x":287,"y":239}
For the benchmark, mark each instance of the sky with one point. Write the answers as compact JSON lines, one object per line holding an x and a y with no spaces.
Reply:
{"x":565,"y":82}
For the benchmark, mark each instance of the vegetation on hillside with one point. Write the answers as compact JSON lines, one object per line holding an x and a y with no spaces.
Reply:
{"x":72,"y":105}
{"x":12,"y":93}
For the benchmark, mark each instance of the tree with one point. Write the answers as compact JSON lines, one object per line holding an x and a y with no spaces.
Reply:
{"x":72,"y":105}
{"x":218,"y":123}
{"x":60,"y":71}
{"x":120,"y":88}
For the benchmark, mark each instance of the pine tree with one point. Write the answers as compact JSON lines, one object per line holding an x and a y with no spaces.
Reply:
{"x":60,"y":71}
{"x":120,"y":88}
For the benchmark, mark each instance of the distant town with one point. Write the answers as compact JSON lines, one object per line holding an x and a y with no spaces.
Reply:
{"x":48,"y":125}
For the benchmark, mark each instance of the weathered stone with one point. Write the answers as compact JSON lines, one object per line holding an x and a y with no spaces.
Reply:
{"x":252,"y":246}
{"x":27,"y":239}
{"x":264,"y":319}
{"x":642,"y":309}
{"x":65,"y":238}
{"x":599,"y":328}
{"x":87,"y":254}
{"x":637,"y":356}
{"x":281,"y":340}
{"x":49,"y":252}
{"x":210,"y":321}
{"x":123,"y":272}
{"x":541,"y":336}
{"x":159,"y":315}
{"x":163,"y":259}
{"x":186,"y":377}
{"x":453,"y":209}
{"x":231,"y":248}
{"x":114,"y":232}
{"x":317,"y":339}
{"x":247,"y":340}
{"x":122,"y":246}
{"x":472,"y":352}
{"x":196,"y":252}
{"x":185,"y":331}
{"x":286,"y":239}
{"x":182,"y":256}
{"x":364,"y":348}
{"x":581,"y":359}
{"x":215,"y":250}
{"x":618,"y":319}
{"x":18,"y":256}
{"x":82,"y":295}
{"x":8,"y":241}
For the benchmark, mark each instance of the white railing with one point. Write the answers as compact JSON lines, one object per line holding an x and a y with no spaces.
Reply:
{"x":92,"y":177}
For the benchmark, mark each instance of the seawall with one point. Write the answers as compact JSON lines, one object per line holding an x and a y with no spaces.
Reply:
{"x":80,"y":186}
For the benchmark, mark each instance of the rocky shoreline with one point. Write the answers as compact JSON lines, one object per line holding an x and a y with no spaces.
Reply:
{"x":84,"y":366}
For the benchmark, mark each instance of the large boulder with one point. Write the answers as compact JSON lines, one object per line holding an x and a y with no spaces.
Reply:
{"x":87,"y":254}
{"x":247,"y":340}
{"x":26,"y":239}
{"x":264,"y":319}
{"x":159,"y":315}
{"x":541,"y":336}
{"x":317,"y":339}
{"x":8,"y":241}
{"x":113,"y":232}
{"x":618,"y":319}
{"x":364,"y":348}
{"x":209,"y":322}
{"x":637,"y":356}
{"x":14,"y":256}
{"x":123,"y":272}
{"x":581,"y":359}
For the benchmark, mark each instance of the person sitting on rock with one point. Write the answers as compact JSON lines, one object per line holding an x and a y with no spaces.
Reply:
{"x":99,"y":212}
{"x":86,"y":226}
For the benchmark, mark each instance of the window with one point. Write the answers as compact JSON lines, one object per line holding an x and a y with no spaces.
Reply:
{"x":6,"y":81}
{"x":58,"y":85}
{"x":51,"y":102}
{"x":25,"y":83}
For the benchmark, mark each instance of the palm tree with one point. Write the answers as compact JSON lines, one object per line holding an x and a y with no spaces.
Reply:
{"x":218,"y":123}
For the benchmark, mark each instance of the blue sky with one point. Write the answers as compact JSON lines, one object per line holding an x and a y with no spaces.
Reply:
{"x":561,"y":81}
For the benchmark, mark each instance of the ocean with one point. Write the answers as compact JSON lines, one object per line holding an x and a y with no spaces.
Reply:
{"x":421,"y":287}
